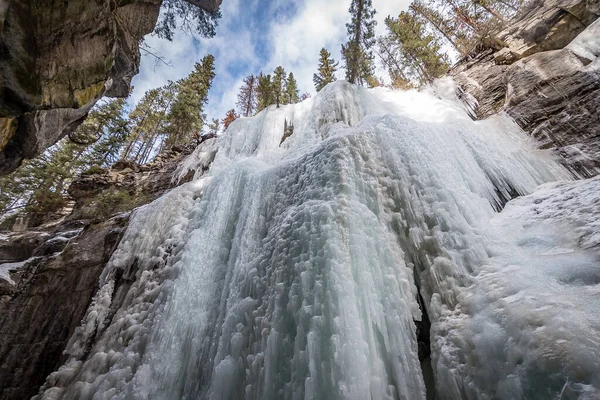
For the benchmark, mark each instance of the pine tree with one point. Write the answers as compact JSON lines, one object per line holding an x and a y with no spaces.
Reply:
{"x":107,"y":124}
{"x":326,"y":71}
{"x":391,"y":56}
{"x":140,"y":120}
{"x":214,"y":126}
{"x":264,"y":92}
{"x":186,"y":116}
{"x":159,"y":124}
{"x":247,"y":101}
{"x":469,"y":22}
{"x":93,"y":127}
{"x":357,"y":52}
{"x":229,"y":118}
{"x":442,"y":25}
{"x":422,"y":60}
{"x":291,"y":90}
{"x":107,"y":118}
{"x":278,"y":85}
{"x":40,"y":185}
{"x":149,"y":123}
{"x":461,"y":12}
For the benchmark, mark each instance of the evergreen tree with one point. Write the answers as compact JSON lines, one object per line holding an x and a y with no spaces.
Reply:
{"x":140,"y":120}
{"x":392,"y":58}
{"x":357,"y":52}
{"x":461,"y":11}
{"x":278,"y":85}
{"x":229,"y":118}
{"x":422,"y":60}
{"x":186,"y":116}
{"x":291,"y":90}
{"x":214,"y":126}
{"x":158,"y":130}
{"x":412,"y":50}
{"x":442,"y":25}
{"x":107,"y":124}
{"x":264,"y":92}
{"x":115,"y":130}
{"x":94,"y":126}
{"x":149,"y":123}
{"x":247,"y":101}
{"x":326,"y":71}
{"x":260,"y":91}
{"x":40,"y":185}
{"x":466,"y":23}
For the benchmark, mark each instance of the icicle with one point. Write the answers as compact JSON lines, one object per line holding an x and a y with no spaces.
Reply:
{"x":290,"y":272}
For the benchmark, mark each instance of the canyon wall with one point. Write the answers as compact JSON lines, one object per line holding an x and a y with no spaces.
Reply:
{"x":534,"y":72}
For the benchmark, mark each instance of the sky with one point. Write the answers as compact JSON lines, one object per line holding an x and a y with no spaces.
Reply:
{"x":255,"y":36}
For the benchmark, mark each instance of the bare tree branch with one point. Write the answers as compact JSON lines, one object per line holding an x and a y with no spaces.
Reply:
{"x":158,"y":58}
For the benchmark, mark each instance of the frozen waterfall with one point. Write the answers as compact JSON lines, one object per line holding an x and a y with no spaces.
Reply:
{"x":301,"y":265}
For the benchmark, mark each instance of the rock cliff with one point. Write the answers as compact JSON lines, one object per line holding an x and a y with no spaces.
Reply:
{"x":537,"y":76}
{"x":58,"y":58}
{"x":45,"y":297}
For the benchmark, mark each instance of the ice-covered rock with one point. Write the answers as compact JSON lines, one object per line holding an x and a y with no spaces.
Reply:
{"x":528,"y":325}
{"x":293,"y":270}
{"x":47,"y":279}
{"x":587,"y":43}
{"x":545,"y":77}
{"x":197,"y":163}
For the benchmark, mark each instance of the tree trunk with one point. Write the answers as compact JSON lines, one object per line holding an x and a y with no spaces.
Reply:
{"x":357,"y":39}
{"x":491,"y":11}
{"x":437,"y":26}
{"x":464,"y":17}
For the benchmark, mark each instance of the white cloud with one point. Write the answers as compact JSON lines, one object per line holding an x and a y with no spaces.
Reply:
{"x":293,"y":41}
{"x":297,"y":41}
{"x":385,"y":8}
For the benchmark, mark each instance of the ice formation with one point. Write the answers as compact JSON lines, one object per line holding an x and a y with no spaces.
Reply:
{"x":294,"y":269}
{"x":7,"y":268}
{"x":587,"y":43}
{"x":198,"y":162}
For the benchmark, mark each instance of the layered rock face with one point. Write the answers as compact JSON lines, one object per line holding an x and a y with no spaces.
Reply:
{"x":49,"y":273}
{"x":126,"y":185}
{"x":58,"y":58}
{"x":543,"y":82}
{"x":46,"y":297}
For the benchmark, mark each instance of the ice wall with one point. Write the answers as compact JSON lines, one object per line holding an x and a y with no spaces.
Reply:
{"x":587,"y":43}
{"x":292,"y":271}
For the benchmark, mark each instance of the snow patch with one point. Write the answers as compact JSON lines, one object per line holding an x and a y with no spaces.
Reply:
{"x":587,"y":43}
{"x":7,"y":268}
{"x":197,"y":162}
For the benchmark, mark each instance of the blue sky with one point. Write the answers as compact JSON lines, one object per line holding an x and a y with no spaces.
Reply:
{"x":254,"y":36}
